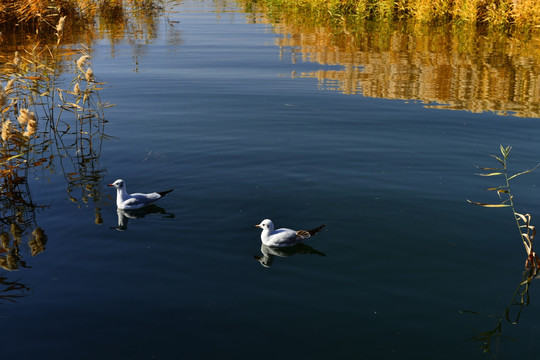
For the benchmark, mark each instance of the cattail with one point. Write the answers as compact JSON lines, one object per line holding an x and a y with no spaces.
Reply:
{"x":37,"y":241}
{"x":89,"y":75}
{"x":28,"y":118}
{"x":3,"y":97}
{"x":9,"y":262}
{"x":6,"y":130}
{"x":4,"y":240}
{"x":16,"y":59}
{"x":9,"y":86}
{"x":77,"y":89}
{"x":24,"y":115}
{"x":31,"y":128}
{"x":16,"y":232}
{"x":98,"y":219}
{"x":81,"y":61}
{"x":60,"y":25}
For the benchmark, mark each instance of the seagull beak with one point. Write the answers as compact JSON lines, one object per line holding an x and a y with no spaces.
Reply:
{"x":110,"y":185}
{"x":257,"y":226}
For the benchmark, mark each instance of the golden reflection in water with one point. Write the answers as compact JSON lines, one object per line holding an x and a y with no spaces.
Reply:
{"x":444,"y":66}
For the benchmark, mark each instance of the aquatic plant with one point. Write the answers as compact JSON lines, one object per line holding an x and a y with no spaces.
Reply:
{"x":523,"y":221}
{"x":84,"y":21}
{"x":521,"y":296}
{"x":43,"y":126}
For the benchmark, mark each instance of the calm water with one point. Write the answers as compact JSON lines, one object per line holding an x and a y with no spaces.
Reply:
{"x":211,"y":109}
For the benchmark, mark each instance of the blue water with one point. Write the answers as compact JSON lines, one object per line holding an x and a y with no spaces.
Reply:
{"x":218,"y":117}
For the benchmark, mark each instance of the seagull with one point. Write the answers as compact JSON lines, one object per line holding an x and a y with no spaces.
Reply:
{"x":283,"y":237}
{"x":125,"y":201}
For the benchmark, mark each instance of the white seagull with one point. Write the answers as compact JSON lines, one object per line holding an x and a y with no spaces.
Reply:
{"x":283,"y":237}
{"x":125,"y":201}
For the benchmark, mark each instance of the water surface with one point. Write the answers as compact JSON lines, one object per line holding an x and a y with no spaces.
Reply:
{"x":212,"y":108}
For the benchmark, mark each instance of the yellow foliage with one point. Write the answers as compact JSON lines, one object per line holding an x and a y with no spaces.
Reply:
{"x":495,"y":13}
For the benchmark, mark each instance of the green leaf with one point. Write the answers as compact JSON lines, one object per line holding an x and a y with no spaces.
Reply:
{"x":505,"y":151}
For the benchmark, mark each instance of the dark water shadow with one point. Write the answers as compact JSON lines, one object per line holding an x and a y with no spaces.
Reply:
{"x":125,"y":215}
{"x":266,"y":259}
{"x":490,"y":341}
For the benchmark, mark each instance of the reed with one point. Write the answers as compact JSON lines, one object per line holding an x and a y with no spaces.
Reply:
{"x":521,"y":295}
{"x":80,"y":16}
{"x":44,"y":13}
{"x":523,"y":15}
{"x":45,"y":124}
{"x":51,"y":122}
{"x":523,"y":221}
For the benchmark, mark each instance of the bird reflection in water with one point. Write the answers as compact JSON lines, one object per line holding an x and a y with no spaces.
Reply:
{"x":268,"y":253}
{"x":125,"y":215}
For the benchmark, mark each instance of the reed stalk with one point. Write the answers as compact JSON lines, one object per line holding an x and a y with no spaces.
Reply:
{"x":523,"y":221}
{"x":44,"y":126}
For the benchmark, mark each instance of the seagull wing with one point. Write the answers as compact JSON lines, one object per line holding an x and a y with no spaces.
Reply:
{"x":304,"y":234}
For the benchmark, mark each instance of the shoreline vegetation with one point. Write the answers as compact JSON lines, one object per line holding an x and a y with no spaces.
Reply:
{"x":509,"y":15}
{"x":52,"y":117}
{"x":25,"y":21}
{"x":443,"y":65}
{"x":48,"y":121}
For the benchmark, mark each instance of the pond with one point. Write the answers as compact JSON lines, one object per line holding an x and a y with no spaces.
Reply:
{"x":248,"y":118}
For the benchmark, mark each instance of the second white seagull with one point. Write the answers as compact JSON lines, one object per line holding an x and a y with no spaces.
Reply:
{"x":125,"y":201}
{"x":283,"y":237}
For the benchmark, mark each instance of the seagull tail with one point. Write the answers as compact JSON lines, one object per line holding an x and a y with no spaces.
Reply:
{"x":316,"y":230}
{"x":163,"y":193}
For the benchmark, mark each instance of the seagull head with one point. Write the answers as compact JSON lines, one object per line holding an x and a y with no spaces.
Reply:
{"x":119,"y":184}
{"x":266,"y":224}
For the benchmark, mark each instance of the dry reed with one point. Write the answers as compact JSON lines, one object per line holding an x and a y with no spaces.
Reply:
{"x":504,"y":192}
{"x":522,"y":15}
